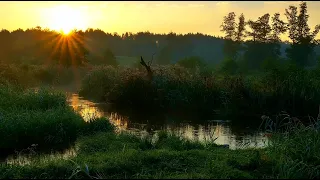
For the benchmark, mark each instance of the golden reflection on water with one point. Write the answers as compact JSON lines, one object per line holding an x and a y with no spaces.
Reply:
{"x":87,"y":109}
{"x":217,"y":131}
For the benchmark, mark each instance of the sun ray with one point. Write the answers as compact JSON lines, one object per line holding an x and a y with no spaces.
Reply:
{"x":55,"y":45}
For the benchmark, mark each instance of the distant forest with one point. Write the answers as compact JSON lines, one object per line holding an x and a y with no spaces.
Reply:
{"x":251,"y":40}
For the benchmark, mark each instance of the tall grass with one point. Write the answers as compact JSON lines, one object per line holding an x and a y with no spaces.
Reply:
{"x":294,"y":147}
{"x":204,"y":92}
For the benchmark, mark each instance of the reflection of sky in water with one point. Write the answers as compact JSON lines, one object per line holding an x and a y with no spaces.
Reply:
{"x":199,"y":132}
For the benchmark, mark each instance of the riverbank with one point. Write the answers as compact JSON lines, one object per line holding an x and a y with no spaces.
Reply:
{"x":108,"y":155}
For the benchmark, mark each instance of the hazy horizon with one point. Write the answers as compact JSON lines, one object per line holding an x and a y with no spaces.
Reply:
{"x":181,"y":17}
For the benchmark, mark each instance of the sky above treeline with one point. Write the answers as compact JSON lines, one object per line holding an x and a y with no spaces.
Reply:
{"x":135,"y":16}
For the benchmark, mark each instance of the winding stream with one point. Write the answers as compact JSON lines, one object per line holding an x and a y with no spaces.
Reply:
{"x":223,"y":132}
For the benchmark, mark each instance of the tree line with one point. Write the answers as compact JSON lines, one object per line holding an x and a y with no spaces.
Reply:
{"x":263,"y":37}
{"x":249,"y":46}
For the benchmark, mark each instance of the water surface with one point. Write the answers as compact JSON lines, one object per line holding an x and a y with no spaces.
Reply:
{"x":222,"y":131}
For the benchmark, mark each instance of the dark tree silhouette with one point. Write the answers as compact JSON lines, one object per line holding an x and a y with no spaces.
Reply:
{"x":303,"y":41}
{"x":261,"y":47}
{"x":241,"y":28}
{"x":260,"y":29}
{"x":278,"y":27}
{"x":230,"y":27}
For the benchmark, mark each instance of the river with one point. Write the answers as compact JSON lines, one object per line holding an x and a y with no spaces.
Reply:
{"x":222,"y":131}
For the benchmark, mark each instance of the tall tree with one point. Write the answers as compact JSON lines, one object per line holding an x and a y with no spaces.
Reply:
{"x":278,"y":27}
{"x":260,"y":48}
{"x":303,"y":41}
{"x":292,"y":18}
{"x":240,"y":28}
{"x":260,"y":28}
{"x":229,"y":26}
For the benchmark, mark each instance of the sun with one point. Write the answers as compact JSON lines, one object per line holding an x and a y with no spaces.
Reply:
{"x":65,"y":18}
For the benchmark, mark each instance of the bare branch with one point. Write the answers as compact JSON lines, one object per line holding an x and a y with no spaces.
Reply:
{"x":148,"y":68}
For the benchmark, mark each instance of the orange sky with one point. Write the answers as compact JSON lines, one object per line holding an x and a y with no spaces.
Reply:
{"x":134,"y":16}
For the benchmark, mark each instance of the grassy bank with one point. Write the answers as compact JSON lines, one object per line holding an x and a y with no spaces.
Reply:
{"x":42,"y":119}
{"x":107,"y":155}
{"x":206,"y":92}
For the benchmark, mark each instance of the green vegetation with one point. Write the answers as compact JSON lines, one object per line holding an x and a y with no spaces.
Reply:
{"x":203,"y":91}
{"x":49,"y":123}
{"x":292,"y":153}
{"x":124,"y":156}
{"x":294,"y":147}
{"x":41,"y":119}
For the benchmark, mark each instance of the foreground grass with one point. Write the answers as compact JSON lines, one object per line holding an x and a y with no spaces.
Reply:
{"x":292,"y":153}
{"x":107,"y":155}
{"x":294,"y":148}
